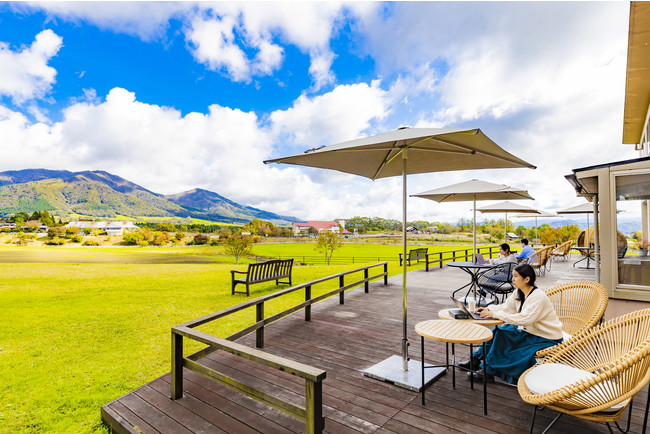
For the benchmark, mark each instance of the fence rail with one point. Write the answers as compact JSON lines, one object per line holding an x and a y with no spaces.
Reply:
{"x":312,"y":413}
{"x":433,"y":258}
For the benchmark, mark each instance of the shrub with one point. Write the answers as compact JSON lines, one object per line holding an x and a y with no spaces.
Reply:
{"x":56,"y":232}
{"x":76,"y":239}
{"x":56,"y":241}
{"x":199,"y":240}
{"x":90,"y":243}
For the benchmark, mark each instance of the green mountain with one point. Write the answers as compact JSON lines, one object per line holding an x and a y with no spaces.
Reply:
{"x":100,"y":194}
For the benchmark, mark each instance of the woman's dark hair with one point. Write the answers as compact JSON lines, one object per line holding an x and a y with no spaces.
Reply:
{"x":525,"y":270}
{"x":505,"y":247}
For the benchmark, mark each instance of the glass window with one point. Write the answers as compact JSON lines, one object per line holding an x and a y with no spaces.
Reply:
{"x":632,"y":197}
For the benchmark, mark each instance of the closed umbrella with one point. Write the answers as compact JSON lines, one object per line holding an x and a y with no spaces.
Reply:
{"x":474,"y":190}
{"x":507,"y":207}
{"x":402,"y":152}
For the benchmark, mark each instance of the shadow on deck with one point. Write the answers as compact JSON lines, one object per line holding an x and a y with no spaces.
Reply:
{"x":344,"y":340}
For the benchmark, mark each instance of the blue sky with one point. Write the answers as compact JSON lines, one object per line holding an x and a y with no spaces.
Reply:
{"x":175,"y":96}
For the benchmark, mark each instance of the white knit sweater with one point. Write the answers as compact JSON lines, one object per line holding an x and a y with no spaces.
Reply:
{"x":537,"y":315}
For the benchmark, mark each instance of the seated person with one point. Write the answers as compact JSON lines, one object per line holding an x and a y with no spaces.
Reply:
{"x":504,"y":255}
{"x":526,"y":251}
{"x":531,"y":325}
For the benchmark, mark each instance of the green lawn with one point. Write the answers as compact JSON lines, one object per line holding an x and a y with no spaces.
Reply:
{"x":82,"y":326}
{"x":76,"y":336}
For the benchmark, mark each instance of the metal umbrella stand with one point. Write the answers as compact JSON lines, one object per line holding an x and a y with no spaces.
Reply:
{"x":402,"y":152}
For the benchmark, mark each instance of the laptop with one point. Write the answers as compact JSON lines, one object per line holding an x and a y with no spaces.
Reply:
{"x":461,"y":306}
{"x":479,"y":259}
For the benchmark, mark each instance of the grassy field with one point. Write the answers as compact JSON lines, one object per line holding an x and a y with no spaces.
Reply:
{"x":82,"y":326}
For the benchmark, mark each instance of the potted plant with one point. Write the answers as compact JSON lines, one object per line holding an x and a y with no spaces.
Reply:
{"x":643,"y":248}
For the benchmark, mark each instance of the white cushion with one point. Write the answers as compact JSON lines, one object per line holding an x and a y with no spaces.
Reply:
{"x":552,"y":376}
{"x":566,"y":336}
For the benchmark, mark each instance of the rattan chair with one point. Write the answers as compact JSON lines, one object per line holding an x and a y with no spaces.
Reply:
{"x":562,"y":251}
{"x":540,"y":259}
{"x":586,"y":239}
{"x":595,"y":375}
{"x":579,"y":305}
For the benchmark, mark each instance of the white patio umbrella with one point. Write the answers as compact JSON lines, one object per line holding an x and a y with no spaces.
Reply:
{"x":584,"y":208}
{"x":474,"y":190}
{"x":402,"y":152}
{"x":507,"y":207}
{"x":540,"y":215}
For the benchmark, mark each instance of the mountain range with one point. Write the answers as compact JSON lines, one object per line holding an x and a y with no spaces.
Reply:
{"x":99,"y":194}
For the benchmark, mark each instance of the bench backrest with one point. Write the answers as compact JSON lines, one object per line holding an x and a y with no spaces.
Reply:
{"x":272,"y":267}
{"x":419,"y":252}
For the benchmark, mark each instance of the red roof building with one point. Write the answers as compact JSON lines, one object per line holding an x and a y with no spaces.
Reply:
{"x":302,"y":228}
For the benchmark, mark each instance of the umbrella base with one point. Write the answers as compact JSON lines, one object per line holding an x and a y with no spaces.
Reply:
{"x":391,"y":371}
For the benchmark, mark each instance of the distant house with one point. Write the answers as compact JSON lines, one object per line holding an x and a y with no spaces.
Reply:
{"x":110,"y":227}
{"x":303,"y":228}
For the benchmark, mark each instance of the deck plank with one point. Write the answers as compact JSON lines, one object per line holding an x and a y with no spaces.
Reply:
{"x":344,"y":340}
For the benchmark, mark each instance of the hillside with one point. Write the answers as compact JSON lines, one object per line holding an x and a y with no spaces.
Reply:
{"x":100,"y":194}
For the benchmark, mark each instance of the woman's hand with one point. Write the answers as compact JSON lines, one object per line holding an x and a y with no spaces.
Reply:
{"x":484,"y":311}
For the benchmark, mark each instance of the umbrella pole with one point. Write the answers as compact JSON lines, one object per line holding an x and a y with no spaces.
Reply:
{"x":505,"y":231}
{"x":474,"y":227}
{"x":405,"y":342}
{"x":392,"y":369}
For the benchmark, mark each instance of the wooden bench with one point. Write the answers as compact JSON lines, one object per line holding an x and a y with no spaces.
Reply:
{"x":258,"y":272}
{"x":415,"y":255}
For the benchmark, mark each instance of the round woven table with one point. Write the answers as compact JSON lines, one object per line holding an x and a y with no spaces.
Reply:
{"x":454,"y":332}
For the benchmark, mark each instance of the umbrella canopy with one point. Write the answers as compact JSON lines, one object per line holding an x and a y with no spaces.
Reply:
{"x":408,"y":151}
{"x":507,"y":207}
{"x":541,"y":214}
{"x":586,"y":207}
{"x":429,"y":150}
{"x":474,"y":190}
{"x":583,"y":208}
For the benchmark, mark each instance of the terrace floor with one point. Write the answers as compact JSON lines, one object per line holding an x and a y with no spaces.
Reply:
{"x":344,"y":340}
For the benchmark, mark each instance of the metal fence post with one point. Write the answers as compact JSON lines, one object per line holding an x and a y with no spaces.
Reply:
{"x":259,"y":333}
{"x":386,"y":273}
{"x":342,"y":293}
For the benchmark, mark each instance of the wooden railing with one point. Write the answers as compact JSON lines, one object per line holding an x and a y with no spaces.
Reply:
{"x":467,"y":254}
{"x":312,"y":413}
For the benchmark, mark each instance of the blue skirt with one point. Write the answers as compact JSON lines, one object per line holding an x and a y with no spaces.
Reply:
{"x":511,"y":351}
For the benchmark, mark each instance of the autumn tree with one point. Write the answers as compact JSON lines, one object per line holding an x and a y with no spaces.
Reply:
{"x":238,"y":245}
{"x":327,"y":242}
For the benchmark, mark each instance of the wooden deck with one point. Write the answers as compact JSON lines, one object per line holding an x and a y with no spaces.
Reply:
{"x":344,"y":340}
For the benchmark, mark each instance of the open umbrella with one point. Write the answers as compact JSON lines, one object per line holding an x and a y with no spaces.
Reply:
{"x":474,"y":190}
{"x":541,"y":214}
{"x":507,"y":207}
{"x":402,"y":152}
{"x":584,"y":208}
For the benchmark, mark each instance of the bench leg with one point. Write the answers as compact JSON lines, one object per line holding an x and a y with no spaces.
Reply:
{"x":248,"y":292}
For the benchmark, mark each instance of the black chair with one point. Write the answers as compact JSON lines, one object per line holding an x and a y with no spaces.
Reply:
{"x":497,"y":280}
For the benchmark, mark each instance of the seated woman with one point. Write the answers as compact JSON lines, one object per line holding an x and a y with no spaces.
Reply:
{"x":504,"y":255}
{"x":531,"y":325}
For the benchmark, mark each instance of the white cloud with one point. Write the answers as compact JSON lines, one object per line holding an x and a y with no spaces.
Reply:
{"x":252,"y":26}
{"x":147,"y":20}
{"x":212,"y":42}
{"x":341,"y":114}
{"x":25,"y":74}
